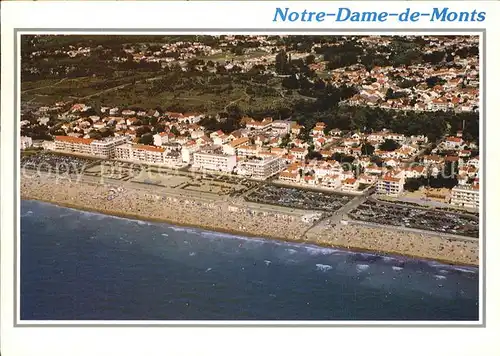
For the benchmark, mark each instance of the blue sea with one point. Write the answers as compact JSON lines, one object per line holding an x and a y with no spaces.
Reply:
{"x":83,"y":266}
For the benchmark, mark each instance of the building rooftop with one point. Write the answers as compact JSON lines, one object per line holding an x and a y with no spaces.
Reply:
{"x":71,"y":139}
{"x":148,"y":148}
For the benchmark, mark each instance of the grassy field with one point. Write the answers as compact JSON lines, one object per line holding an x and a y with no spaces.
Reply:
{"x":141,"y":90}
{"x":106,"y":83}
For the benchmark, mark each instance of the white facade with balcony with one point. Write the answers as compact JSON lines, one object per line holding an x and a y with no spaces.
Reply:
{"x":467,"y":196}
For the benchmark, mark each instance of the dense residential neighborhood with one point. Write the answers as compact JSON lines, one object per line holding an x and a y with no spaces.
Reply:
{"x":274,"y":149}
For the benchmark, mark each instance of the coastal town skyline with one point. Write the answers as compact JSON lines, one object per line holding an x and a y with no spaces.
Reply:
{"x":364,"y":143}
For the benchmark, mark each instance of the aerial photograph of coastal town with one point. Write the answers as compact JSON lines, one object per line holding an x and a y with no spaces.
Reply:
{"x":250,"y":177}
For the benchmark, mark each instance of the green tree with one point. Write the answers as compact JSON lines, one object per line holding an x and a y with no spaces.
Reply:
{"x":310,"y":59}
{"x":285,"y":141}
{"x":433,"y":81}
{"x":174,"y":131}
{"x":281,"y":63}
{"x":450,"y":169}
{"x":147,"y":139}
{"x":413,"y":184}
{"x":367,"y":149}
{"x":360,"y":120}
{"x":389,"y":94}
{"x":389,"y":145}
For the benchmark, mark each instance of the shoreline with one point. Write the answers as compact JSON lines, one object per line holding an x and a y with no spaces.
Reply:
{"x":138,"y":217}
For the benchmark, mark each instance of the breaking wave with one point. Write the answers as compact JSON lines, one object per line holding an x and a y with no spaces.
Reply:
{"x":323,"y":268}
{"x":361,"y":268}
{"x":313,"y":250}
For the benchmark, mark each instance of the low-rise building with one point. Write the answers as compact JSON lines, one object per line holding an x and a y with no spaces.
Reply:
{"x":391,"y":185}
{"x":333,"y":181}
{"x":281,"y":127}
{"x":290,"y":177}
{"x":248,"y":150}
{"x":350,"y":185}
{"x":231,"y":147}
{"x":48,"y":145}
{"x":299,"y":153}
{"x":26,"y":142}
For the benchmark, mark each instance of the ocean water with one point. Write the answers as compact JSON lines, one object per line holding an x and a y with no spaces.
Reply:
{"x":83,"y":266}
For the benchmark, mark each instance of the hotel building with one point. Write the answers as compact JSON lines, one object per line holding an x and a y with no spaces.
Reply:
{"x":261,"y":168}
{"x":466,"y":196}
{"x":214,"y":159}
{"x":90,"y":147}
{"x":106,"y":147}
{"x":141,"y":153}
{"x":73,"y":145}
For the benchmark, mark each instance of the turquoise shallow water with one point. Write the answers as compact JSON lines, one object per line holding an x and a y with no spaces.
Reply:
{"x":83,"y":266}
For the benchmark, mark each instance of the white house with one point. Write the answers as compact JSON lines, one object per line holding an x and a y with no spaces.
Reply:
{"x":160,"y":139}
{"x":26,"y":142}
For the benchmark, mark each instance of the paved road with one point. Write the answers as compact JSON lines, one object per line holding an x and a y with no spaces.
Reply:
{"x":336,"y":217}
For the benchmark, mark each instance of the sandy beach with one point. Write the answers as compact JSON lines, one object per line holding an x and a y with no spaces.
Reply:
{"x":225,"y":216}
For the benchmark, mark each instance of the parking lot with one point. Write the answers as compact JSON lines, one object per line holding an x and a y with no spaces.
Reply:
{"x":415,"y":218}
{"x":56,"y":164}
{"x":298,"y":198}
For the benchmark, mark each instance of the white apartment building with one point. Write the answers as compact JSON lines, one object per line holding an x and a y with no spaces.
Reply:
{"x":187,"y":152}
{"x":73,"y":145}
{"x":248,"y":150}
{"x":147,"y":154}
{"x":261,"y":168}
{"x":88,"y":146}
{"x":290,"y":177}
{"x":106,"y":147}
{"x":124,"y":152}
{"x":466,"y":196}
{"x":390,"y":185}
{"x":214,"y":159}
{"x":281,"y":127}
{"x":26,"y":142}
